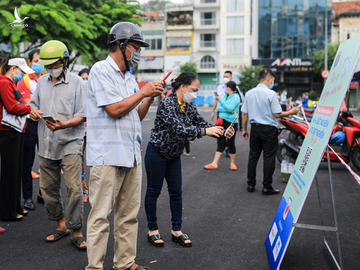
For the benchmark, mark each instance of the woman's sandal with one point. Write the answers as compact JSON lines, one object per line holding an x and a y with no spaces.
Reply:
{"x":24,"y":212}
{"x":155,"y":237}
{"x":181,"y":240}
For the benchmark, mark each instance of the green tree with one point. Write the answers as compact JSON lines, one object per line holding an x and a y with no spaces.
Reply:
{"x":82,"y":25}
{"x":249,"y":77}
{"x":189,"y":66}
{"x":313,"y":95}
{"x":318,"y":58}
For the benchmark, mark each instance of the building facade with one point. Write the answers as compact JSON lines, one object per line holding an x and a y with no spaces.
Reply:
{"x":151,"y":66}
{"x":179,"y":37}
{"x":286,"y":33}
{"x":213,"y":34}
{"x":207,"y":40}
{"x":346,"y":24}
{"x":235,"y":36}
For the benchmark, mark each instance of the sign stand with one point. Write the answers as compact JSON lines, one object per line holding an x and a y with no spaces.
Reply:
{"x":310,"y":156}
{"x":326,"y":228}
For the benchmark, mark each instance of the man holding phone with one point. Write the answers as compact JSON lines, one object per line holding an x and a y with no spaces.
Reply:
{"x":114,"y":113}
{"x":261,"y":108}
{"x":60,"y":95}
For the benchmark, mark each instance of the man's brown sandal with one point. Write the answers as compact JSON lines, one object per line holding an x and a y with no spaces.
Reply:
{"x":139,"y":267}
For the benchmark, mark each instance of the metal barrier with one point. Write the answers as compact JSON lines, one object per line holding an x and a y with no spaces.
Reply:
{"x":205,"y":96}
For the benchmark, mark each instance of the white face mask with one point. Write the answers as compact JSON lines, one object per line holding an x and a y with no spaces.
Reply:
{"x":189,"y":96}
{"x":55,"y":73}
{"x":226,"y":80}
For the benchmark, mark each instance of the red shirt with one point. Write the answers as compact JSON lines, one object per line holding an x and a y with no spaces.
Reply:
{"x":7,"y":95}
{"x":24,"y":90}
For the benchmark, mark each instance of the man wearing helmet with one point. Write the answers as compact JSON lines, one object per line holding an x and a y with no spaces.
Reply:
{"x":58,"y":105}
{"x":114,"y":110}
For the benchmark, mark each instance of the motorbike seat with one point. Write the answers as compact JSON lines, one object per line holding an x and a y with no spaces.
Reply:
{"x":353,"y":122}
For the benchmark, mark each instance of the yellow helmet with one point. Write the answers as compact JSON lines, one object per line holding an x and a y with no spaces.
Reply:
{"x":53,"y":51}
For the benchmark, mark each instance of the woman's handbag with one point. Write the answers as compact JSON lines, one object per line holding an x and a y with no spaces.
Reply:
{"x":16,"y":122}
{"x":219,"y":122}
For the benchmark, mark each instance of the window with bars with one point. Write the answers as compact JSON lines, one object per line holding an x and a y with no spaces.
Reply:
{"x":207,"y":40}
{"x":155,"y":44}
{"x":207,"y":62}
{"x":208,"y":18}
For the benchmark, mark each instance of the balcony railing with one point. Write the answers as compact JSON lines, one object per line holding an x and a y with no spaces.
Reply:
{"x":207,"y":65}
{"x":207,"y":1}
{"x":208,"y":44}
{"x":208,"y":22}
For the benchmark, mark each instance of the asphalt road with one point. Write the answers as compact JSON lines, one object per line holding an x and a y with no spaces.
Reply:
{"x":228,"y":225}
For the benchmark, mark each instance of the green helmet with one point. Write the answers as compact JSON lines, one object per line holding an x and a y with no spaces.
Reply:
{"x":53,"y":51}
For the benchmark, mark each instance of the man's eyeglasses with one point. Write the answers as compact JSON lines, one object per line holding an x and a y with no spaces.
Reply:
{"x":137,"y":48}
{"x":54,"y":66}
{"x":195,"y":89}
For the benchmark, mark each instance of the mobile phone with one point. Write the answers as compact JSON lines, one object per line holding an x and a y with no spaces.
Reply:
{"x":231,"y":125}
{"x":233,"y":122}
{"x":48,"y":117}
{"x":216,"y":94}
{"x":163,"y":80}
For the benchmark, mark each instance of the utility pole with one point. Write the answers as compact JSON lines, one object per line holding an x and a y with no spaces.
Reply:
{"x":326,"y":39}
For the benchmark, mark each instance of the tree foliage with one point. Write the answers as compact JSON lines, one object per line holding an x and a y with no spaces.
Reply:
{"x":83,"y":25}
{"x":318,"y":58}
{"x":249,"y":77}
{"x":189,"y":66}
{"x":313,"y":95}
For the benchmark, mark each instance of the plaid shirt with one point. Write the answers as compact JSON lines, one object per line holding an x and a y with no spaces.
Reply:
{"x":111,"y":142}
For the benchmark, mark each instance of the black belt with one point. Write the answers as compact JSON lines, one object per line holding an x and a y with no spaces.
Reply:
{"x":255,"y":124}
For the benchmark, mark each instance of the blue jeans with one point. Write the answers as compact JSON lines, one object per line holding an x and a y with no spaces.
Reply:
{"x":157,"y":168}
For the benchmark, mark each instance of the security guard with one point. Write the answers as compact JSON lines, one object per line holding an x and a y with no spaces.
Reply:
{"x":261,"y":108}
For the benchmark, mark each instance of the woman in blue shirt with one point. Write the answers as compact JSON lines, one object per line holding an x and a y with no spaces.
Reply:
{"x":228,"y":108}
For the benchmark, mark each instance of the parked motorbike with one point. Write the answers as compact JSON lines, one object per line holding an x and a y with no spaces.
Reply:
{"x":344,"y":140}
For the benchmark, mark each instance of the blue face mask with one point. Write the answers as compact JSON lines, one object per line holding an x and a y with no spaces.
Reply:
{"x":271,"y":85}
{"x":37,"y":68}
{"x":86,"y":83}
{"x":19,"y":77}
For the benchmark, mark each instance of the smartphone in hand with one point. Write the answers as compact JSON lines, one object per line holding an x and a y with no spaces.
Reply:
{"x":231,"y":125}
{"x":48,"y":117}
